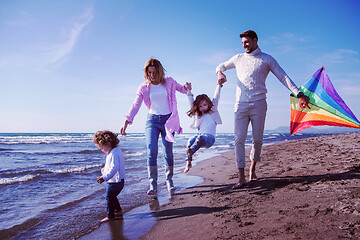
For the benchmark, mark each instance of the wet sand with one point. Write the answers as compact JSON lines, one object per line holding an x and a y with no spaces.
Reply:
{"x":307,"y":189}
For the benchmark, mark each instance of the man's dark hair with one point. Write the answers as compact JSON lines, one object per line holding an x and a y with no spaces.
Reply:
{"x":249,"y":33}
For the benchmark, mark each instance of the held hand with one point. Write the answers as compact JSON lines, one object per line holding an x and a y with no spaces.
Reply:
{"x":100,"y":180}
{"x":221,"y":81}
{"x":188,"y":86}
{"x":303,"y":101}
{"x":221,"y":77}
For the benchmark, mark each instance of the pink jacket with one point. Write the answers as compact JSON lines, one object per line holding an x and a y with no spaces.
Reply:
{"x":143,"y":94}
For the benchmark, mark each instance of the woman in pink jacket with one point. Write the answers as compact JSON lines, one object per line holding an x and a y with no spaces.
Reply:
{"x":158,"y":94}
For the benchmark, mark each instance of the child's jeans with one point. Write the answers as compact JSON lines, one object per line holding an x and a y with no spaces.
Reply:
{"x":112,"y":203}
{"x":200,"y":140}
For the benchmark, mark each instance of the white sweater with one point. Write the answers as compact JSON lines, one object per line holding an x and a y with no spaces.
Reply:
{"x":114,"y":169}
{"x":252,"y":70}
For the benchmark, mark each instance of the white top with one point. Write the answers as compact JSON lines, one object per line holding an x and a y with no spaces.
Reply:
{"x":252,"y":70}
{"x":114,"y":169}
{"x":207,"y":122}
{"x":207,"y":125}
{"x":159,"y":100}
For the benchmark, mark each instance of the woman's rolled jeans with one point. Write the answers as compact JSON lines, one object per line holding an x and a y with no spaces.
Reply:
{"x":155,"y":126}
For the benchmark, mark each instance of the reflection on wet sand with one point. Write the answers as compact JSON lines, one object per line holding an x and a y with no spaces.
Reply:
{"x":139,"y":221}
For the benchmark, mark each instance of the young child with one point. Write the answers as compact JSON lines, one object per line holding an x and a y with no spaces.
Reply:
{"x":113,"y":172}
{"x":206,"y":117}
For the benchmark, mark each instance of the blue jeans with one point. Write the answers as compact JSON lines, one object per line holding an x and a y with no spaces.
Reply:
{"x":200,"y":140}
{"x":155,"y":125}
{"x":112,"y":203}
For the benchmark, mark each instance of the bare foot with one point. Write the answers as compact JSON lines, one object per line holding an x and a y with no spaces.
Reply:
{"x":105,"y":220}
{"x":239,"y":185}
{"x":252,"y":176}
{"x":188,"y":166}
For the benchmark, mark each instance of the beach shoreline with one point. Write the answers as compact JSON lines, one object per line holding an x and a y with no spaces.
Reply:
{"x":307,"y":189}
{"x":301,"y":182}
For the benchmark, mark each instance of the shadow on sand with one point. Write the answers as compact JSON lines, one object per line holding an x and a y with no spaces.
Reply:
{"x":185,"y":212}
{"x":265,"y":185}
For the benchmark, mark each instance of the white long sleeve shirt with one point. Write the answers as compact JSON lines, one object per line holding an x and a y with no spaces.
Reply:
{"x":207,"y":122}
{"x":252,"y":70}
{"x":207,"y":125}
{"x":114,"y":169}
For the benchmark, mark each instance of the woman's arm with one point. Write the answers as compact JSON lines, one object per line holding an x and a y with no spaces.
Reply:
{"x":134,"y":109}
{"x":182,"y":88}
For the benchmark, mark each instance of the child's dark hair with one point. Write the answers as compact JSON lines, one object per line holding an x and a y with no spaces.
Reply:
{"x":106,"y":138}
{"x":195,"y":107}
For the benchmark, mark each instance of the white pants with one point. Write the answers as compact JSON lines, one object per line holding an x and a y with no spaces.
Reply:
{"x":254,"y":112}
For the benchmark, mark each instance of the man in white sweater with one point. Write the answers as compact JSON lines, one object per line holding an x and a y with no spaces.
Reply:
{"x":252,"y":68}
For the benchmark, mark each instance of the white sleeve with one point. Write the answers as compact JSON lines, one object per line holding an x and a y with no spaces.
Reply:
{"x":229,"y":64}
{"x":282,"y":76}
{"x":216,"y":95}
{"x":190,"y":98}
{"x":114,"y":164}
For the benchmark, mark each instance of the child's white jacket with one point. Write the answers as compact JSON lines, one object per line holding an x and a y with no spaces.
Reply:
{"x":214,"y":113}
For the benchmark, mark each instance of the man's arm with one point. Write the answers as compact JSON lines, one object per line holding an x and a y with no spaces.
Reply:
{"x":222,"y":67}
{"x":288,"y":83}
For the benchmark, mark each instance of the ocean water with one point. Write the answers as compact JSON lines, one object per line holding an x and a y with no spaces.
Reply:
{"x":48,"y":181}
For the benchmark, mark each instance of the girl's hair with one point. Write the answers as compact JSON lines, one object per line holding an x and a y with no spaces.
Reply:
{"x":106,"y":138}
{"x":159,"y":70}
{"x":195,"y":107}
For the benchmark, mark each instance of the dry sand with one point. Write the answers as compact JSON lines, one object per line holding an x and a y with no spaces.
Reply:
{"x":307,"y":189}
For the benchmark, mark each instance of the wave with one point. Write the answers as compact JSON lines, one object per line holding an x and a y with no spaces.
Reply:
{"x":42,"y":153}
{"x":135,"y":154}
{"x":16,"y":231}
{"x":44,"y":138}
{"x":5,"y":149}
{"x":77,"y":169}
{"x":8,"y":181}
{"x":30,"y":175}
{"x":72,"y":152}
{"x":227,"y":146}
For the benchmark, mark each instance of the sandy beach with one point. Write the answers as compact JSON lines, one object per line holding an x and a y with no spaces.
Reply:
{"x":307,"y":189}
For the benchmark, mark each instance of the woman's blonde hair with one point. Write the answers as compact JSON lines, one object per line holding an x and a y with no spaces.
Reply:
{"x":159,"y":70}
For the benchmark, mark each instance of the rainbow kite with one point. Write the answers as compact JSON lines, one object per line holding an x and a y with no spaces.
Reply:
{"x":326,"y":106}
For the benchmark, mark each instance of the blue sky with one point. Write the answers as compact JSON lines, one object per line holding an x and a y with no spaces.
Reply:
{"x":75,"y":66}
